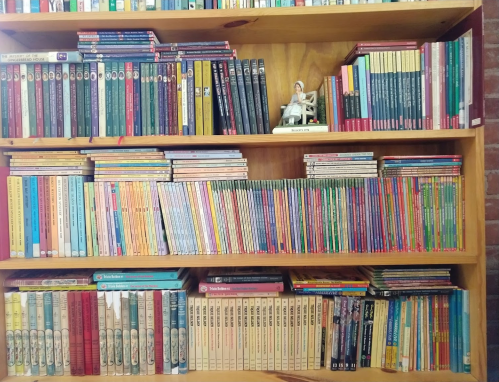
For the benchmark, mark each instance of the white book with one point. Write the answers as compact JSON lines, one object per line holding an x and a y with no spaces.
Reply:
{"x":56,"y":319}
{"x":270,"y":334}
{"x":212,"y":353}
{"x":232,"y":334}
{"x":226,"y":334}
{"x":329,"y":333}
{"x":67,"y":228}
{"x":311,"y":332}
{"x":265,"y":334}
{"x":120,"y":5}
{"x":300,"y":129}
{"x":184,"y":101}
{"x":423,"y":87}
{"x":191,"y":319}
{"x":101,"y":308}
{"x":277,"y":333}
{"x":165,"y":300}
{"x":26,"y":6}
{"x":110,"y":333}
{"x":125,"y":321}
{"x":198,"y":335}
{"x":252,"y":327}
{"x":246,"y":334}
{"x":101,"y":83}
{"x":298,"y":332}
{"x":304,"y":328}
{"x":141,"y":313}
{"x":318,"y":332}
{"x":87,"y":6}
{"x":24,"y":100}
{"x":25,"y":333}
{"x":103,"y":217}
{"x":291,"y":333}
{"x":205,"y":334}
{"x":151,"y":364}
{"x":66,"y":101}
{"x":284,"y":333}
{"x":95,"y":5}
{"x":435,"y":84}
{"x":40,"y":327}
{"x":258,"y":333}
{"x":239,"y":335}
{"x":9,"y":335}
{"x":218,"y":334}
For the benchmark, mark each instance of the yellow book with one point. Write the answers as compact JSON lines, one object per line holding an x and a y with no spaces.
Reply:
{"x":205,"y":334}
{"x":198,"y":96}
{"x":311,"y":332}
{"x":9,"y":334}
{"x":179,"y":99}
{"x":61,"y":152}
{"x":12,"y":216}
{"x":252,"y":334}
{"x":137,"y":227}
{"x":88,"y":226}
{"x":215,"y":225}
{"x":17,"y":326}
{"x":350,"y":79}
{"x":139,"y":195}
{"x":18,"y":187}
{"x":207,"y":99}
{"x":128,"y":5}
{"x":56,"y":287}
{"x":150,"y":218}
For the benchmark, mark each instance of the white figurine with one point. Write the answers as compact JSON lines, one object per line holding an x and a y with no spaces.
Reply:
{"x":293,"y":111}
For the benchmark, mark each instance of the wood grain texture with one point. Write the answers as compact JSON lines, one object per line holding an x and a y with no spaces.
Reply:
{"x":248,"y":26}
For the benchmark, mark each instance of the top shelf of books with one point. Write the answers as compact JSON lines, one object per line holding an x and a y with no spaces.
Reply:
{"x":385,"y":21}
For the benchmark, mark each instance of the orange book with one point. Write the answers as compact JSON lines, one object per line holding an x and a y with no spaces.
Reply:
{"x":131,"y":217}
{"x":53,"y":216}
{"x":138,"y":215}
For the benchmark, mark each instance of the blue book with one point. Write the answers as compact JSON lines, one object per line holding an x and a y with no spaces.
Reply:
{"x":452,"y":332}
{"x":28,"y":228}
{"x":208,"y":4}
{"x":418,"y":323}
{"x":174,"y":337}
{"x":361,"y":62}
{"x":115,"y":218}
{"x":120,"y":219}
{"x":73,"y":215}
{"x":389,"y":327}
{"x":137,"y":126}
{"x":33,"y":333}
{"x":141,"y":285}
{"x":424,"y":161}
{"x":167,"y":364}
{"x":35,"y":216}
{"x":49,"y":332}
{"x":35,"y":6}
{"x":138,"y":275}
{"x":466,"y":331}
{"x":335,"y":104}
{"x":80,"y":211}
{"x":459,"y":324}
{"x":171,"y":5}
{"x":182,"y":332}
{"x":396,"y":334}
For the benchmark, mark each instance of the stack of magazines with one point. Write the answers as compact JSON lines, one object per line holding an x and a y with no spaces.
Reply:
{"x":328,"y":282}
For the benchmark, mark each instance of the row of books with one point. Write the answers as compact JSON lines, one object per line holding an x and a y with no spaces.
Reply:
{"x":132,"y":99}
{"x":398,"y":86}
{"x":122,"y":333}
{"x":36,"y":6}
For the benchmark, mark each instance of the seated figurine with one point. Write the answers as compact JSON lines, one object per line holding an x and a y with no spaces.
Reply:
{"x":293,"y":111}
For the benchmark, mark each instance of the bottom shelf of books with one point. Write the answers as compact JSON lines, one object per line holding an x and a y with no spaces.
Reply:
{"x":377,"y":323}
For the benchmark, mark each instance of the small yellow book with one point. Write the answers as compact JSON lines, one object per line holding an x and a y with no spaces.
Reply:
{"x":57,"y":287}
{"x":207,"y":100}
{"x":198,"y":96}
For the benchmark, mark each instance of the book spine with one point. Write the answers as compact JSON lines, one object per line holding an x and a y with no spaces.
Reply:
{"x":198,"y":97}
{"x":134,"y":333}
{"x":30,"y":77}
{"x":158,"y":334}
{"x":121,"y":96}
{"x":109,"y":320}
{"x":49,"y":332}
{"x":182,"y":332}
{"x":137,"y":118}
{"x":225,"y":127}
{"x":33,"y":334}
{"x":115,"y":108}
{"x":174,"y":330}
{"x":227,"y":98}
{"x":191,"y":112}
{"x":40,"y":325}
{"x":5,"y":101}
{"x":118,"y":333}
{"x":231,"y":79}
{"x":59,"y":100}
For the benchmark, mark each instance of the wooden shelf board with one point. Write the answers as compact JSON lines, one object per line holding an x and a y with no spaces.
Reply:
{"x":240,"y":140}
{"x":361,"y":375}
{"x":420,"y":20}
{"x":207,"y":261}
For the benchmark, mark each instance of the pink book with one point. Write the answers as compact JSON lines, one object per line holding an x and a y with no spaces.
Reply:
{"x":129,"y":98}
{"x":205,"y":287}
{"x":211,"y":232}
{"x":441,"y":68}
{"x":39,"y":100}
{"x":42,"y":215}
{"x":346,"y":95}
{"x":242,"y":294}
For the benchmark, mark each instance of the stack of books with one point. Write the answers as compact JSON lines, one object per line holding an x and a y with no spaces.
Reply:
{"x":408,"y":281}
{"x":340,"y":165}
{"x":118,"y":46}
{"x":49,"y":163}
{"x":38,"y":280}
{"x":242,"y":282}
{"x":207,"y":165}
{"x":420,"y":165}
{"x":178,"y":278}
{"x":190,"y":51}
{"x":328,"y":282}
{"x":115,"y":165}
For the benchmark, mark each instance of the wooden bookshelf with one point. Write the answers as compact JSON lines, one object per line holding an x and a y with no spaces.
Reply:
{"x":303,"y":43}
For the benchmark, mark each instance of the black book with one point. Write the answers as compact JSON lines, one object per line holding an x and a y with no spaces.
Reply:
{"x":356,"y":314}
{"x":236,"y":103}
{"x":230,"y":120}
{"x":249,"y":95}
{"x":221,"y":109}
{"x":238,"y":275}
{"x":258,"y":100}
{"x":242,"y":96}
{"x":265,"y":100}
{"x":409,"y":292}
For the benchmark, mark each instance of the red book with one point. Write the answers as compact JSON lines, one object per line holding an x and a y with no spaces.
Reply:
{"x":10,"y":99}
{"x":48,"y":225}
{"x":94,"y":326}
{"x":224,"y":81}
{"x":11,"y":6}
{"x":87,"y":331}
{"x":42,"y":215}
{"x":300,"y":3}
{"x":232,"y":194}
{"x":39,"y":100}
{"x":80,"y":349}
{"x":129,"y":97}
{"x":205,"y":287}
{"x":158,"y":333}
{"x":17,"y":102}
{"x":44,"y":6}
{"x":72,"y":330}
{"x":72,"y":92}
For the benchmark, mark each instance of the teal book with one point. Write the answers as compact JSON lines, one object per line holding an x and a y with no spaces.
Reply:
{"x":49,"y":332}
{"x":28,"y":229}
{"x":452,"y":331}
{"x":73,"y":215}
{"x":151,"y":102}
{"x":459,"y":323}
{"x":87,"y":100}
{"x":33,"y":333}
{"x":396,"y":334}
{"x":182,"y":332}
{"x":80,"y":213}
{"x":466,"y":331}
{"x":143,"y":115}
{"x":167,"y":365}
{"x":134,"y":334}
{"x":115,"y":99}
{"x":30,"y":70}
{"x":80,"y":101}
{"x":120,"y":219}
{"x":46,"y":100}
{"x":121,"y":99}
{"x":109,"y":100}
{"x":146,"y":129}
{"x":142,"y":285}
{"x":112,"y":5}
{"x":35,"y":222}
{"x":66,"y":101}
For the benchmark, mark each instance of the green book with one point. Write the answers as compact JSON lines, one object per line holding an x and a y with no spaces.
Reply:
{"x":46,"y":100}
{"x":109,"y":100}
{"x":152,"y":106}
{"x":93,"y":220}
{"x":450,"y":82}
{"x":80,"y":101}
{"x":121,"y":99}
{"x":134,"y":332}
{"x":112,"y":5}
{"x":456,"y":83}
{"x":3,"y":96}
{"x":30,"y":71}
{"x":143,"y":97}
{"x":73,"y":5}
{"x":87,"y":100}
{"x":115,"y":99}
{"x":156,"y":99}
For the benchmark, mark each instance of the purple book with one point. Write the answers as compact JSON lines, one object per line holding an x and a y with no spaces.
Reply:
{"x":72,"y":92}
{"x":94,"y":99}
{"x":53,"y":101}
{"x":59,"y":100}
{"x":191,"y":122}
{"x":161,"y":99}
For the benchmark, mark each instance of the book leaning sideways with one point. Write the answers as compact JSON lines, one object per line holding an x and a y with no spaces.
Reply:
{"x":48,"y":278}
{"x":71,"y":57}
